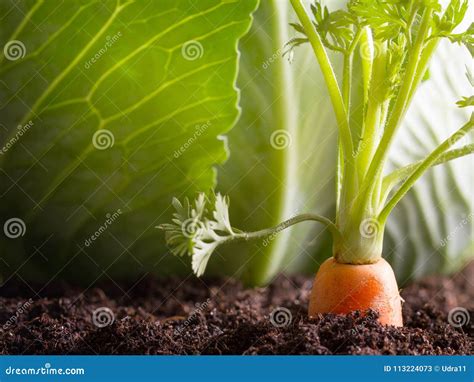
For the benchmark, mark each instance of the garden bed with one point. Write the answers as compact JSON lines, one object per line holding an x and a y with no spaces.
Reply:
{"x":192,"y":316}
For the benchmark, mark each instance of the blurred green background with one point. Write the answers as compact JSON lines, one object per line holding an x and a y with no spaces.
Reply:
{"x":111,"y":108}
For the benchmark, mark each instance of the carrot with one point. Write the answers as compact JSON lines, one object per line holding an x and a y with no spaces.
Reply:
{"x":343,"y":288}
{"x":393,"y":64}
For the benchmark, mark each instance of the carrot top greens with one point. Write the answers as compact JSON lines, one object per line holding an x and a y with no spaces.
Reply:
{"x":393,"y":42}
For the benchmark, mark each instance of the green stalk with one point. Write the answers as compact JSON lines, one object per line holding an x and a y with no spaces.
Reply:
{"x":401,"y":104}
{"x":349,"y":181}
{"x":367,"y":64}
{"x":339,"y":177}
{"x":346,"y":82}
{"x":428,"y":162}
{"x":347,"y":73}
{"x":329,"y":77}
{"x":425,"y":57}
{"x":282,"y":226}
{"x":402,"y":173}
{"x":367,"y":69}
{"x":374,"y":112}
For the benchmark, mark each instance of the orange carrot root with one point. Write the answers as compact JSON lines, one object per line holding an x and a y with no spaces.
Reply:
{"x":342,"y":288}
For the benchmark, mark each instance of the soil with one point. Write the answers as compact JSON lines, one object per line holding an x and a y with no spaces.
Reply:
{"x":193,"y":316}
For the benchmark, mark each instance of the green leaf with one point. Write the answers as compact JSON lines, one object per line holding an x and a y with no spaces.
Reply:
{"x":452,"y":16}
{"x":466,"y":38}
{"x":466,"y":101}
{"x":337,"y":28}
{"x":127,"y":101}
{"x":388,"y":19}
{"x":197,"y":232}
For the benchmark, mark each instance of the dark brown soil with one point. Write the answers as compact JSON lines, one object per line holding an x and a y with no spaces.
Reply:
{"x":221,"y":317}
